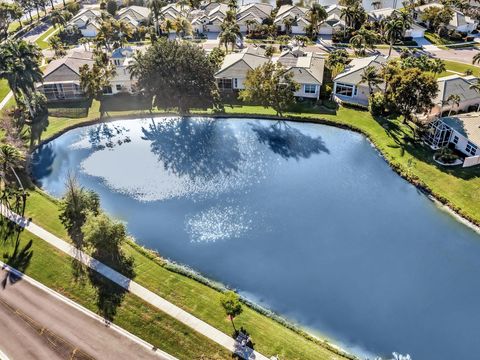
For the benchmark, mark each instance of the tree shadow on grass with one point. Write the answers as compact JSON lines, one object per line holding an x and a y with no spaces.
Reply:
{"x":109,"y":294}
{"x":18,"y":259}
{"x":244,"y":346}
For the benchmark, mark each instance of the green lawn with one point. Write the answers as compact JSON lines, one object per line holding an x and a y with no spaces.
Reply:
{"x":41,"y":41}
{"x":459,"y":67}
{"x":52,"y":268}
{"x":4,"y":89}
{"x":459,"y":187}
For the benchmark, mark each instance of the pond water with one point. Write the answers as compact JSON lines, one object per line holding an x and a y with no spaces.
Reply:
{"x":305,"y":219}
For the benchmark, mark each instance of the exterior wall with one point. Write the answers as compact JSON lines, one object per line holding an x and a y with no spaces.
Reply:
{"x":301,"y":92}
{"x":300,"y":29}
{"x":89,"y":31}
{"x":61,"y":92}
{"x":415,"y":33}
{"x":62,"y":73}
{"x":237,"y":70}
{"x":325,"y":30}
{"x":360,"y":94}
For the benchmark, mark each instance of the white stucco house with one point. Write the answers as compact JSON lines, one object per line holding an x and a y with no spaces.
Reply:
{"x":256,"y":12}
{"x":459,"y":21}
{"x":295,"y":13}
{"x":61,"y":79}
{"x":135,"y":15}
{"x":307,"y":69}
{"x":461,"y":132}
{"x":347,"y":86}
{"x":121,"y":82}
{"x":87,"y":21}
{"x":414,"y":31}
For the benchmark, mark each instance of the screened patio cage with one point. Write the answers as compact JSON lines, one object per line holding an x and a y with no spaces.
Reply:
{"x":438,"y":134}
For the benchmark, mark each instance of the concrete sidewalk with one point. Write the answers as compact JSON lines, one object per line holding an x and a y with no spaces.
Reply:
{"x":135,"y":288}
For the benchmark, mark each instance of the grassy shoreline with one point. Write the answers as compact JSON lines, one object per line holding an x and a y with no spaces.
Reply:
{"x":391,"y":138}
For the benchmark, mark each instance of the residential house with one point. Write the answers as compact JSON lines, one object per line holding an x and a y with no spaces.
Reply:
{"x":61,"y":79}
{"x":233,"y":71}
{"x":455,"y":85}
{"x":347,"y":86}
{"x":122,"y":81}
{"x":459,"y":22}
{"x":461,"y":132}
{"x":370,"y":5}
{"x":256,"y":12}
{"x":414,"y":31}
{"x":307,"y":69}
{"x":294,"y":13}
{"x":87,"y":21}
{"x":210,"y":21}
{"x":135,"y":15}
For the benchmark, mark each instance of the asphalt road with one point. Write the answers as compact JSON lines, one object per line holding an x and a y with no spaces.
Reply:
{"x":36,"y":325}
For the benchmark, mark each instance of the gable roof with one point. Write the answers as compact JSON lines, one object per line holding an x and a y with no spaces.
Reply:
{"x":74,"y":62}
{"x":140,"y":12}
{"x":292,"y":11}
{"x":353,"y":71}
{"x":248,"y":57}
{"x":466,"y":124}
{"x":456,"y":85}
{"x":259,"y":9}
{"x":308,"y":68}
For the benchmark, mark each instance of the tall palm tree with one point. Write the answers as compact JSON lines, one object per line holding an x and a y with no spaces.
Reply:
{"x":476,"y":86}
{"x":182,"y":26}
{"x":454,"y":101}
{"x":155,"y":7}
{"x":251,"y":24}
{"x":362,"y":40}
{"x":229,"y":36}
{"x":288,"y":22}
{"x":57,"y":18}
{"x":394,"y":30}
{"x":317,"y":14}
{"x":476,"y":58}
{"x":371,"y":77}
{"x":10,"y":159}
{"x":20,"y":66}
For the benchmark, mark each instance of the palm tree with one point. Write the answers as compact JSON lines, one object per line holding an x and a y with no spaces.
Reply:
{"x":20,"y":66}
{"x":371,"y":77}
{"x":476,"y":58}
{"x":250,"y":25}
{"x":155,"y":7}
{"x":125,"y":31}
{"x":39,"y":120}
{"x":229,"y":36}
{"x":394,"y":31}
{"x":288,"y":22}
{"x":57,"y":18}
{"x":317,"y":14}
{"x":476,"y":86}
{"x":454,"y":101}
{"x":182,"y":26}
{"x":362,"y":40}
{"x":57,"y":46}
{"x":10,"y":158}
{"x":437,"y":66}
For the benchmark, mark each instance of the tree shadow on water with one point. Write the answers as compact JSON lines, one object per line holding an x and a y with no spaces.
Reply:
{"x":289,"y":142}
{"x":42,"y":161}
{"x":200,"y":149}
{"x":107,"y":136}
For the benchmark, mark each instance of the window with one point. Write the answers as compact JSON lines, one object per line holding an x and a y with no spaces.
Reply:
{"x":471,"y":148}
{"x":107,"y":90}
{"x":118,"y":87}
{"x":224,"y":84}
{"x":310,"y":89}
{"x":344,"y":89}
{"x":455,"y":139}
{"x":235,"y":83}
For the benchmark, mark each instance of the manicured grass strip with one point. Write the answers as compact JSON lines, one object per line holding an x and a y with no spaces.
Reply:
{"x":459,"y":67}
{"x":41,"y":42}
{"x":52,"y":268}
{"x":4,"y":89}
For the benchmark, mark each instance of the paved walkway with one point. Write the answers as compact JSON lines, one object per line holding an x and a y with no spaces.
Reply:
{"x":135,"y":288}
{"x":6,"y":99}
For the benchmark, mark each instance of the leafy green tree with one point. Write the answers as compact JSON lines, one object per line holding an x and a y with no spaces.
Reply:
{"x":362,"y":40}
{"x":437,"y":17}
{"x":76,"y":203}
{"x":410,"y":90}
{"x":176,"y":75}
{"x":8,"y":13}
{"x":94,"y":80}
{"x":216,"y":57}
{"x":182,"y":26}
{"x":270,"y":86}
{"x":232,"y":305}
{"x":337,"y":60}
{"x":112,"y":7}
{"x":105,"y":238}
{"x":57,"y":46}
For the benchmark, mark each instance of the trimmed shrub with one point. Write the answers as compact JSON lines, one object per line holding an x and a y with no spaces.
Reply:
{"x":377,"y":104}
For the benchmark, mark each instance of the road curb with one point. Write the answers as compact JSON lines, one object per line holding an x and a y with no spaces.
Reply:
{"x":85,"y":311}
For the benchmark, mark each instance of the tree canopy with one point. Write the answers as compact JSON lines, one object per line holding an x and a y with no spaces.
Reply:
{"x":270,"y":85}
{"x":176,"y":75}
